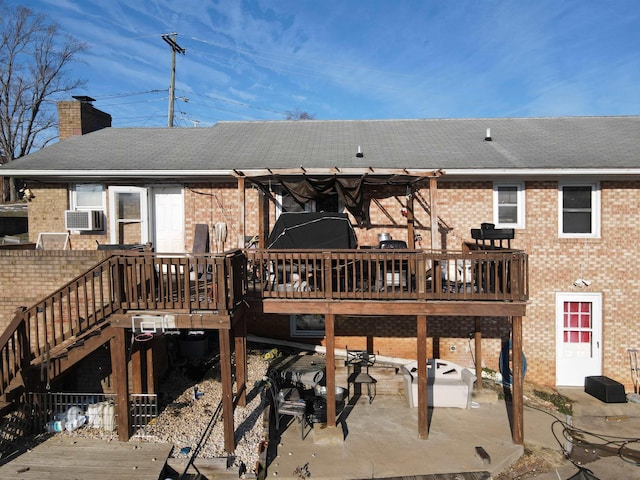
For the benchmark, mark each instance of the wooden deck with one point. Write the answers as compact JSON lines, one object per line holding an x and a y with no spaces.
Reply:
{"x":64,"y":457}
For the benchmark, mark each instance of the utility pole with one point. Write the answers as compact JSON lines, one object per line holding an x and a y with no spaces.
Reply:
{"x":170,"y":38}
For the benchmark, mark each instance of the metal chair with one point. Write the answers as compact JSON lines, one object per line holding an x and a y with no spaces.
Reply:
{"x":284,"y":403}
{"x":358,"y":363}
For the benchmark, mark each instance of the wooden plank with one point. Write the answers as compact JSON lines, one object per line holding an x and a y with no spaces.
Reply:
{"x":120,"y":375}
{"x":423,"y":418}
{"x":240,"y":338}
{"x":227,"y":392}
{"x":518,"y":388}
{"x":478,"y":357}
{"x":329,"y":323}
{"x":205,"y":320}
{"x":396,"y":307}
{"x":64,"y":457}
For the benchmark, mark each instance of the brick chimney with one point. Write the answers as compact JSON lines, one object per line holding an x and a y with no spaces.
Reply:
{"x":79,"y":116}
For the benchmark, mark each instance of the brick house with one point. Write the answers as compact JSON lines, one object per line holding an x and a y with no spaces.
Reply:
{"x":568,"y":186}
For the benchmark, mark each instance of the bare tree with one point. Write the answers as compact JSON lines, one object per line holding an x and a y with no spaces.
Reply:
{"x":296,"y":114}
{"x":34,"y":56}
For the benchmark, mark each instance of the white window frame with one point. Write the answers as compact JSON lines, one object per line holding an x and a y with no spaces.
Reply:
{"x":595,"y":209}
{"x":520,"y":205}
{"x":144,"y":212}
{"x":73,"y":197}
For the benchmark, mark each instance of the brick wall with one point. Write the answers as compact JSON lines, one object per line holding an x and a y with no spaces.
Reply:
{"x":554,"y":263}
{"x":27,"y":276}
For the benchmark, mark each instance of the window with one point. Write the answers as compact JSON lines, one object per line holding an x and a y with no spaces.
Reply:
{"x":88,"y":196}
{"x":307,"y":325}
{"x":577,"y":322}
{"x":508,"y":205}
{"x":286,"y":203}
{"x":579,"y":210}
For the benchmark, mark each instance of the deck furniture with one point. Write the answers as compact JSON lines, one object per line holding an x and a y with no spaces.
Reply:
{"x":358,"y":363}
{"x":448,"y":384}
{"x":287,"y":402}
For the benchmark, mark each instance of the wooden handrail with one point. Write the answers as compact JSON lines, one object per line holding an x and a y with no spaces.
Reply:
{"x":129,"y":280}
{"x":379,"y":274}
{"x":123,"y":281}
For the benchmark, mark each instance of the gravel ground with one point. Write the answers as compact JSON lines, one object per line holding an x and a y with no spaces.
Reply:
{"x":182,"y":420}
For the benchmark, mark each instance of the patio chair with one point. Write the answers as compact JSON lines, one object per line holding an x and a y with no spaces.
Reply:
{"x":358,"y":363}
{"x":287,"y":403}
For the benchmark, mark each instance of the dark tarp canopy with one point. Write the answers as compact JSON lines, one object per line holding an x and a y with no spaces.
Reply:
{"x":349,"y":190}
{"x":313,"y":230}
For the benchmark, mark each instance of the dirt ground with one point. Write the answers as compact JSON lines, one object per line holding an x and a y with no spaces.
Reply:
{"x":536,"y":459}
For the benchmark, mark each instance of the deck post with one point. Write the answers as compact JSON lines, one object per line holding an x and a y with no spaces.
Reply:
{"x":263,"y":219}
{"x":241,"y":213}
{"x":227,"y":390}
{"x":137,"y":367}
{"x":120,"y":376}
{"x":433,"y":190}
{"x":240,"y":338}
{"x":517,"y":381}
{"x":330,"y":367}
{"x":423,"y":417}
{"x":411,"y":234}
{"x":150,"y":366}
{"x":478,"y":346}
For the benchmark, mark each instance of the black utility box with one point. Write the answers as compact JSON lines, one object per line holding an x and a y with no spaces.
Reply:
{"x":605,"y":389}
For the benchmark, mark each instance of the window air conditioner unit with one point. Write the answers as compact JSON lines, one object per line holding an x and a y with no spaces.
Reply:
{"x":83,"y":220}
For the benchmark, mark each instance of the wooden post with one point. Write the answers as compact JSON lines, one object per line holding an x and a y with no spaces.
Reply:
{"x":227,"y":390}
{"x":411,"y":233}
{"x":263,"y":219}
{"x":241,"y":212}
{"x":137,"y":367}
{"x":517,"y":381}
{"x":120,"y":380}
{"x":478,"y":348}
{"x":423,"y":417}
{"x":150,"y":366}
{"x":330,"y":366}
{"x":240,"y":338}
{"x":433,"y":191}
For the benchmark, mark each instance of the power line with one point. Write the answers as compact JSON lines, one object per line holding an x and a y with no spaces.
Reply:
{"x":132,"y":94}
{"x":233,"y":102}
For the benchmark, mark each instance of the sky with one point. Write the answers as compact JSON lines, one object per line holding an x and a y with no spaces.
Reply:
{"x":248,"y":60}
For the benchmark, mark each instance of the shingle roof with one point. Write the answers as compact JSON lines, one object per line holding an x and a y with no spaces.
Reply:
{"x":432,"y":144}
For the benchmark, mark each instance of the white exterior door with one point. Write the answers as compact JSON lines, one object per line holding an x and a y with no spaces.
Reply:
{"x":578,"y":337}
{"x":128,"y":220}
{"x":168,"y":219}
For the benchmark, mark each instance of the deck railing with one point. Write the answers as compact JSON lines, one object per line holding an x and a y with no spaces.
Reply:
{"x":123,"y":281}
{"x":388,"y":275}
{"x":149,"y":281}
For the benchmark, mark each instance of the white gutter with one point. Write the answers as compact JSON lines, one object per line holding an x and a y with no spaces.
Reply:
{"x":251,"y":173}
{"x":114,"y":173}
{"x":542,"y":171}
